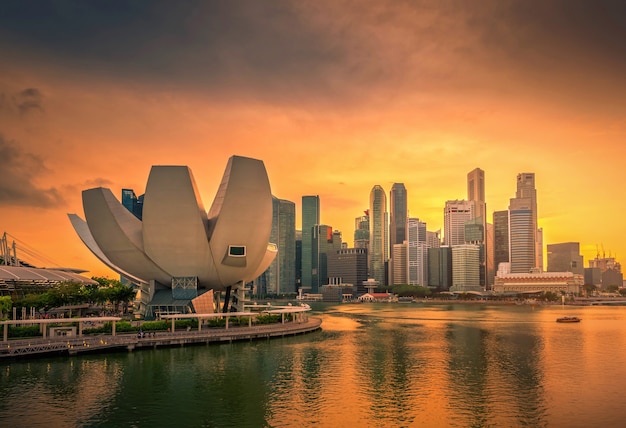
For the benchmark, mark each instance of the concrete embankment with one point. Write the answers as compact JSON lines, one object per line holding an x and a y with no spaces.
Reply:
{"x":130,"y":342}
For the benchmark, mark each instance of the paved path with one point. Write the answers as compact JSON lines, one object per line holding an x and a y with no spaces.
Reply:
{"x":100,"y":343}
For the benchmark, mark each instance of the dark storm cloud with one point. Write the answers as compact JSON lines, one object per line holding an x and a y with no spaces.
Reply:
{"x":19,"y":169}
{"x":557,"y":31}
{"x":334,"y":50}
{"x":215,"y":44}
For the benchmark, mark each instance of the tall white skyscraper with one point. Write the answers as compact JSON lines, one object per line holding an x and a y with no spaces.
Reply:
{"x":417,"y":253}
{"x":455,"y":214}
{"x":378,"y":234}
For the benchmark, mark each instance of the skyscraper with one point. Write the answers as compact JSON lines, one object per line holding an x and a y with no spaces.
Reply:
{"x":399,"y":265}
{"x":417,"y":253}
{"x":465,"y":267}
{"x":133,"y":203}
{"x":455,"y":214}
{"x":526,"y":190}
{"x":440,"y":268}
{"x":500,"y":238}
{"x":322,"y":245}
{"x":348,"y":266}
{"x":476,"y":192}
{"x":378,"y":234}
{"x":281,"y":275}
{"x":522,"y":233}
{"x":362,"y":231}
{"x":310,"y":218}
{"x":565,"y":257}
{"x":398,"y":214}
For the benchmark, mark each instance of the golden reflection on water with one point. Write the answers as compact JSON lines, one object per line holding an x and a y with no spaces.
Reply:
{"x":380,"y":365}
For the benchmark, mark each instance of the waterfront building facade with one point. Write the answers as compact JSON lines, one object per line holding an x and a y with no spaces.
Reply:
{"x":465,"y":268}
{"x":399,"y":260}
{"x":440,"y":268}
{"x":378,"y":234}
{"x":538,"y":282}
{"x":178,"y":250}
{"x":310,"y":218}
{"x":348,"y":266}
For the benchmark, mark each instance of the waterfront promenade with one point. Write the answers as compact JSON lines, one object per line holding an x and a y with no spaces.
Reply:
{"x":132,"y":341}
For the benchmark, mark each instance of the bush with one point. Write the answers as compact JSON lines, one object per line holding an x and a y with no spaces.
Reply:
{"x":26,"y":331}
{"x":268,"y":319}
{"x":216,"y":322}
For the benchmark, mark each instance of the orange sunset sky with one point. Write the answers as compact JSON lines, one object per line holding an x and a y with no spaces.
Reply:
{"x":334,"y":96}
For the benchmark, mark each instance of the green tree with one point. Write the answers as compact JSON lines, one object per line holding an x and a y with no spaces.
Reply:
{"x":590,"y":289}
{"x":612,"y":288}
{"x":5,"y":305}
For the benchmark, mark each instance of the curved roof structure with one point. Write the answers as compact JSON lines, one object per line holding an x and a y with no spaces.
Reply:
{"x":17,"y":275}
{"x":176,"y":237}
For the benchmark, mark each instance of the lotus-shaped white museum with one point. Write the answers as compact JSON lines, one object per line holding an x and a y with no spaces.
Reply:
{"x":178,"y":246}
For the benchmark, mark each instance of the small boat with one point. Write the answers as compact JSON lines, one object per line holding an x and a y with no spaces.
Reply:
{"x":568,"y":319}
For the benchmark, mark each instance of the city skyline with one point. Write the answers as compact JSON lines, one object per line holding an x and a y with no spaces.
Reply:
{"x":332,"y":98}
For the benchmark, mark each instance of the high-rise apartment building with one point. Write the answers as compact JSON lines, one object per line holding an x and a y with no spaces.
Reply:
{"x":310,"y":218}
{"x":565,"y":257}
{"x":455,"y":214}
{"x":281,"y":275}
{"x":378,"y":234}
{"x":398,"y":214}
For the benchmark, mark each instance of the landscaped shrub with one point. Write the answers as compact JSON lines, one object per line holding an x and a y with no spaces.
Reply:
{"x":24,"y":331}
{"x":268,"y":319}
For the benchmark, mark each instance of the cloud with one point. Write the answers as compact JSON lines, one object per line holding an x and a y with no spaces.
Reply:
{"x":27,"y":100}
{"x":19,"y":171}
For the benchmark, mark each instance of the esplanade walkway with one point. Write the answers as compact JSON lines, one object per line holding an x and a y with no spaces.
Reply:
{"x":79,"y":344}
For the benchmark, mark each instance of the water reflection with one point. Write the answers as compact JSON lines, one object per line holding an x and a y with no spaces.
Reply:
{"x":372,"y":365}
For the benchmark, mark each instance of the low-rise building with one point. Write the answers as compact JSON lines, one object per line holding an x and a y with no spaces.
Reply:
{"x":556,"y":282}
